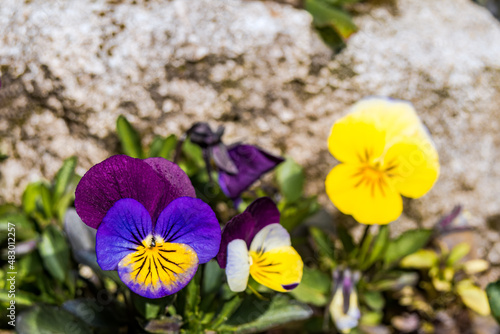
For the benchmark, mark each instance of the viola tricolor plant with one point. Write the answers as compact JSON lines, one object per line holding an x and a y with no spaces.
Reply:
{"x":344,"y":309}
{"x":149,"y":225}
{"x":384,"y":152}
{"x":239,"y":165}
{"x":254,"y":243}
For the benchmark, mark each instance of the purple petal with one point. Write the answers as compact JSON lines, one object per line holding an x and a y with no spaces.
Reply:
{"x":122,"y":231}
{"x":251,"y":163}
{"x":245,"y":226}
{"x":115,"y":178}
{"x":172,"y":174}
{"x":222,"y":159}
{"x":192,"y":222}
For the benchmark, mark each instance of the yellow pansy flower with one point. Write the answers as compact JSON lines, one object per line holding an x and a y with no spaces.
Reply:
{"x":384,"y":152}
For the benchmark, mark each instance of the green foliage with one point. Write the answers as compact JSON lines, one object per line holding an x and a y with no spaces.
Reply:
{"x":256,"y":315}
{"x":332,"y":21}
{"x":50,"y":319}
{"x":406,"y":244}
{"x":48,"y":201}
{"x":163,"y":147}
{"x":314,"y":288}
{"x":129,"y":138}
{"x":290,"y":177}
{"x":493,"y":292}
{"x":54,"y":252}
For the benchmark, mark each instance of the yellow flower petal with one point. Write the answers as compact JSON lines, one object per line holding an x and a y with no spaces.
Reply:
{"x":354,"y":140}
{"x":279,"y":269}
{"x":369,"y":201}
{"x":413,"y":166}
{"x":373,"y":125}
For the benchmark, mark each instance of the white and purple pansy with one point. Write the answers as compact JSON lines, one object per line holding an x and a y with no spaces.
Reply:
{"x":150,"y":226}
{"x":254,"y":243}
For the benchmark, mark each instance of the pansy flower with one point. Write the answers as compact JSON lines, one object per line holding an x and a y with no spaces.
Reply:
{"x":254,"y":243}
{"x":150,"y":228}
{"x":344,"y":308}
{"x":239,"y":165}
{"x":384,"y":152}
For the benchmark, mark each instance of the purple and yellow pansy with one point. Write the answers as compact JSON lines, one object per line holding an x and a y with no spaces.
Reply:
{"x":254,"y":243}
{"x":150,"y":226}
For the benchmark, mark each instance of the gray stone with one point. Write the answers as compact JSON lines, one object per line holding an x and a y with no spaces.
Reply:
{"x":69,"y":68}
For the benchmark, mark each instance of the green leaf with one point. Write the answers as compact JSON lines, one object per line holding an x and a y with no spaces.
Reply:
{"x":379,"y":246}
{"x":170,"y":325}
{"x":294,"y":214}
{"x":323,"y":242}
{"x":457,"y":253}
{"x":212,"y":277}
{"x":407,"y":243}
{"x":365,"y":247}
{"x":493,"y":292}
{"x":54,"y":252}
{"x":193,"y":158}
{"x":64,"y":177}
{"x":371,"y":318}
{"x":395,"y":281}
{"x":421,"y":259}
{"x":129,"y":138}
{"x":63,"y":204}
{"x":25,"y":229}
{"x":290,"y":177}
{"x":28,"y":267}
{"x":227,"y":310}
{"x":374,"y":299}
{"x":151,"y":308}
{"x":49,"y":319}
{"x":23,"y":298}
{"x":314,"y":288}
{"x":46,"y":200}
{"x":96,"y":314}
{"x":163,"y":147}
{"x":474,"y":297}
{"x":326,"y":15}
{"x":256,"y":315}
{"x":475,"y":266}
{"x":30,"y":197}
{"x":346,"y":239}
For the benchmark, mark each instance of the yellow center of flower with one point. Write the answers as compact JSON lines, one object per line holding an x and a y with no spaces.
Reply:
{"x":158,"y":262}
{"x":375,"y":176}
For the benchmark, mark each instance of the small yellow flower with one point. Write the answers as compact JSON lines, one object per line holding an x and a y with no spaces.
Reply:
{"x":384,"y":152}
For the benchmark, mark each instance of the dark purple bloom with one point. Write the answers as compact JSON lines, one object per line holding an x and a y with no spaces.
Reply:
{"x":252,"y":163}
{"x":149,"y":225}
{"x":239,"y":165}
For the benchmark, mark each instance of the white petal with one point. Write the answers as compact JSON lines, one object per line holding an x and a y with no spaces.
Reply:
{"x":270,"y":237}
{"x":238,"y":265}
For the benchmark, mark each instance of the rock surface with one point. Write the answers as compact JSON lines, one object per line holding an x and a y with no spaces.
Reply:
{"x":70,"y":68}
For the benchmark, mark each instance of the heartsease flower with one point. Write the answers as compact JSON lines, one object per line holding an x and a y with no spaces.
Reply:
{"x":239,"y":165}
{"x":384,"y":152}
{"x":149,"y":225}
{"x":254,"y":243}
{"x":344,"y":309}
